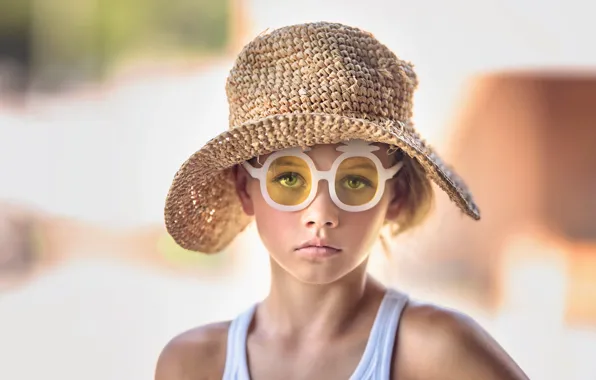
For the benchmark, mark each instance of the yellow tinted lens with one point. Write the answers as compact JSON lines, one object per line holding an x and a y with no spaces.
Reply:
{"x":289,"y":180}
{"x":356,"y":181}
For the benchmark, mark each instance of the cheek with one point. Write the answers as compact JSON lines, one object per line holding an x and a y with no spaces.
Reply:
{"x":275,"y":227}
{"x":366,"y":226}
{"x":365,"y":223}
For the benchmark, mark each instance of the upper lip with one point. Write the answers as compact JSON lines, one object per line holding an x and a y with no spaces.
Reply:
{"x":317,"y":242}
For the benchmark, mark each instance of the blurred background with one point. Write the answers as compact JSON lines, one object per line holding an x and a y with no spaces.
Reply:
{"x":102,"y":100}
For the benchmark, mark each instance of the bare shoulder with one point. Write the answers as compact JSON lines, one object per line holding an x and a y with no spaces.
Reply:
{"x":438,"y":343}
{"x":199,"y":353}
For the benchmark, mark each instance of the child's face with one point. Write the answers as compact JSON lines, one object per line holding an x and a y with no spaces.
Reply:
{"x":321,"y":223}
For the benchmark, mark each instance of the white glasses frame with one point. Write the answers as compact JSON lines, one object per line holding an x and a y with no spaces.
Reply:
{"x":353,"y":148}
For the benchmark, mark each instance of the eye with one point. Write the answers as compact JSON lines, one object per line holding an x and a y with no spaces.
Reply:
{"x":356,"y":182}
{"x":290,"y":180}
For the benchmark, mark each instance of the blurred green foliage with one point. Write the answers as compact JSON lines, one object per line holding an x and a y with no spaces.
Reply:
{"x":188,"y":25}
{"x":14,"y":15}
{"x":84,"y":39}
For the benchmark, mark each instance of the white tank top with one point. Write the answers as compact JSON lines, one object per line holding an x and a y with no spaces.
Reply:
{"x":376,"y":360}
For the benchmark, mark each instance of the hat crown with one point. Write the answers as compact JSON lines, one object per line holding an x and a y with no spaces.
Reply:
{"x":319,"y":68}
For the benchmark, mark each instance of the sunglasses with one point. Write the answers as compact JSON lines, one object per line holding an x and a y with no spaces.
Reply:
{"x":289,"y":178}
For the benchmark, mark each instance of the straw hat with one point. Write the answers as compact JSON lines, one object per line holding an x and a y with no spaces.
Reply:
{"x":301,"y":85}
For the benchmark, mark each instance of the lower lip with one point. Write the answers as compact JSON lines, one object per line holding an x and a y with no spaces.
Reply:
{"x":318,"y":252}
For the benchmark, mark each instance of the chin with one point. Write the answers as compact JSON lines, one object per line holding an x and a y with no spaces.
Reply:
{"x":320,"y":272}
{"x":318,"y":278}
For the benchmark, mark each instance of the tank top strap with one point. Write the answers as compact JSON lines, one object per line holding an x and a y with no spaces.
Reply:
{"x":378,"y":354}
{"x":389,"y":330}
{"x":236,"y":366}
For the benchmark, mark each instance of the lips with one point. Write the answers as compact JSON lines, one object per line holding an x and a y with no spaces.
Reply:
{"x":318,"y":243}
{"x":317,"y":249}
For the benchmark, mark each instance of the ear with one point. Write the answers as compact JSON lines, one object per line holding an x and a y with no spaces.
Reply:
{"x":242,"y":179}
{"x":398,"y":193}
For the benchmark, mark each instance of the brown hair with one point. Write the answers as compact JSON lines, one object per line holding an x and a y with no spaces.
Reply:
{"x":413,"y":184}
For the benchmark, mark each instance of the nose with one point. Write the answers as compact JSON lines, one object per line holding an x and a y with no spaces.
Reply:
{"x":322,"y":212}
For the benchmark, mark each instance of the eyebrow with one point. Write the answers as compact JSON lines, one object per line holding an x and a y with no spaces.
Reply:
{"x":285,"y":161}
{"x":361,"y":165}
{"x":289,"y":163}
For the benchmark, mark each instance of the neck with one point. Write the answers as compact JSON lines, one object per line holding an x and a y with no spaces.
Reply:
{"x":295,"y":308}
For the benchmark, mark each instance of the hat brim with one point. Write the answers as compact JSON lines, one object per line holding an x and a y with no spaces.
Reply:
{"x":202,"y":210}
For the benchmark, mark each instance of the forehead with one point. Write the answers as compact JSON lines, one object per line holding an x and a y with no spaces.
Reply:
{"x":322,"y":153}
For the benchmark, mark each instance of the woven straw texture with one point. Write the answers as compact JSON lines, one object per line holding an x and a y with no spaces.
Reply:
{"x":301,"y":85}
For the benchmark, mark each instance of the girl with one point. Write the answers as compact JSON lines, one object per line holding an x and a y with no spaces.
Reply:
{"x":321,"y":152}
